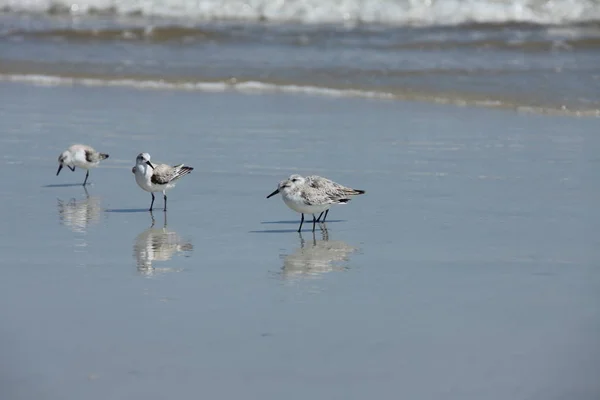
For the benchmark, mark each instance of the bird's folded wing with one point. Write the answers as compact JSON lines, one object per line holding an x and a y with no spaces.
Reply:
{"x":162,"y":174}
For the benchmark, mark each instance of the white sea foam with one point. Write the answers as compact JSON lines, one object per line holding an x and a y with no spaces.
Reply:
{"x":253,"y":87}
{"x":396,"y":12}
{"x":232,"y":85}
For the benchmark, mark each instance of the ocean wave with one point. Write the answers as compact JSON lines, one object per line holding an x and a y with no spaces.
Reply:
{"x":218,"y":86}
{"x":152,"y":33}
{"x":194,"y":35}
{"x":550,"y":44}
{"x":257,"y":87}
{"x":394,"y":12}
{"x":524,"y":38}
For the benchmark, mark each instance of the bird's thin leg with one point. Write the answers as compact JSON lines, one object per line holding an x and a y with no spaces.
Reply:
{"x":320,"y":215}
{"x":326,"y":212}
{"x":71,"y":168}
{"x":301,"y":222}
{"x":314,"y":222}
{"x":165,"y":197}
{"x":86,"y":176}
{"x":152,"y":203}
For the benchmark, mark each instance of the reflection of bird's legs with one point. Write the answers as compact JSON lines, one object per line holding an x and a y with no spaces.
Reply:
{"x":302,"y":243}
{"x":325,"y":233}
{"x":314,"y":239}
{"x":86,"y":192}
{"x":152,"y":216}
{"x":165,"y":214}
{"x":301,"y":222}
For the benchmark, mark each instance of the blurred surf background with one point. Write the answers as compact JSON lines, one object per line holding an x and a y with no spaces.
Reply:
{"x":528,"y":55}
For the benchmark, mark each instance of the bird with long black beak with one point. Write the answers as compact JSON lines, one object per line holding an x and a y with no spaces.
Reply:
{"x":305,"y":197}
{"x":157,"y":177}
{"x":82,"y":156}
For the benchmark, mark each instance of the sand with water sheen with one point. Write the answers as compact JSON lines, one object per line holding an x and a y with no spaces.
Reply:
{"x":469,"y":270}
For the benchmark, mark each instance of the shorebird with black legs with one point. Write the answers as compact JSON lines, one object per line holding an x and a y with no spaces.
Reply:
{"x":299,"y":195}
{"x":82,"y":156}
{"x":157,"y":177}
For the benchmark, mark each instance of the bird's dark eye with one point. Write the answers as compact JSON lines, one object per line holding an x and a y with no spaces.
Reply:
{"x":294,"y":180}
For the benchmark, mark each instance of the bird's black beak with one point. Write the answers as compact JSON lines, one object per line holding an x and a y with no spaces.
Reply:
{"x":273,"y":194}
{"x":60,"y":166}
{"x":150,"y":164}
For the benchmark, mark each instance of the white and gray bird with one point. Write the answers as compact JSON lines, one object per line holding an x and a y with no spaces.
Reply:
{"x":157,"y":177}
{"x":82,"y":156}
{"x":313,"y":196}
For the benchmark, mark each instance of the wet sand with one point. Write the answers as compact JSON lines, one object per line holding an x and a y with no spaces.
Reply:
{"x":469,"y":270}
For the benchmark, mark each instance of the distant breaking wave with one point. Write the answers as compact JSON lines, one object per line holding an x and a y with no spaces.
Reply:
{"x":171,"y":33}
{"x":391,"y":12}
{"x":256,"y":87}
{"x":218,"y":86}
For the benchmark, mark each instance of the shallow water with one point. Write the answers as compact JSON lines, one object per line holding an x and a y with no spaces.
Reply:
{"x":469,"y":270}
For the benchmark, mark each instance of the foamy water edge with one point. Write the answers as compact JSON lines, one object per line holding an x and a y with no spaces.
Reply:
{"x":256,"y":87}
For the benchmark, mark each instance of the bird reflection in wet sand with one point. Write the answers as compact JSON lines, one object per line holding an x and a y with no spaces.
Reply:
{"x":157,"y":244}
{"x":78,"y":214}
{"x":316,"y":257}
